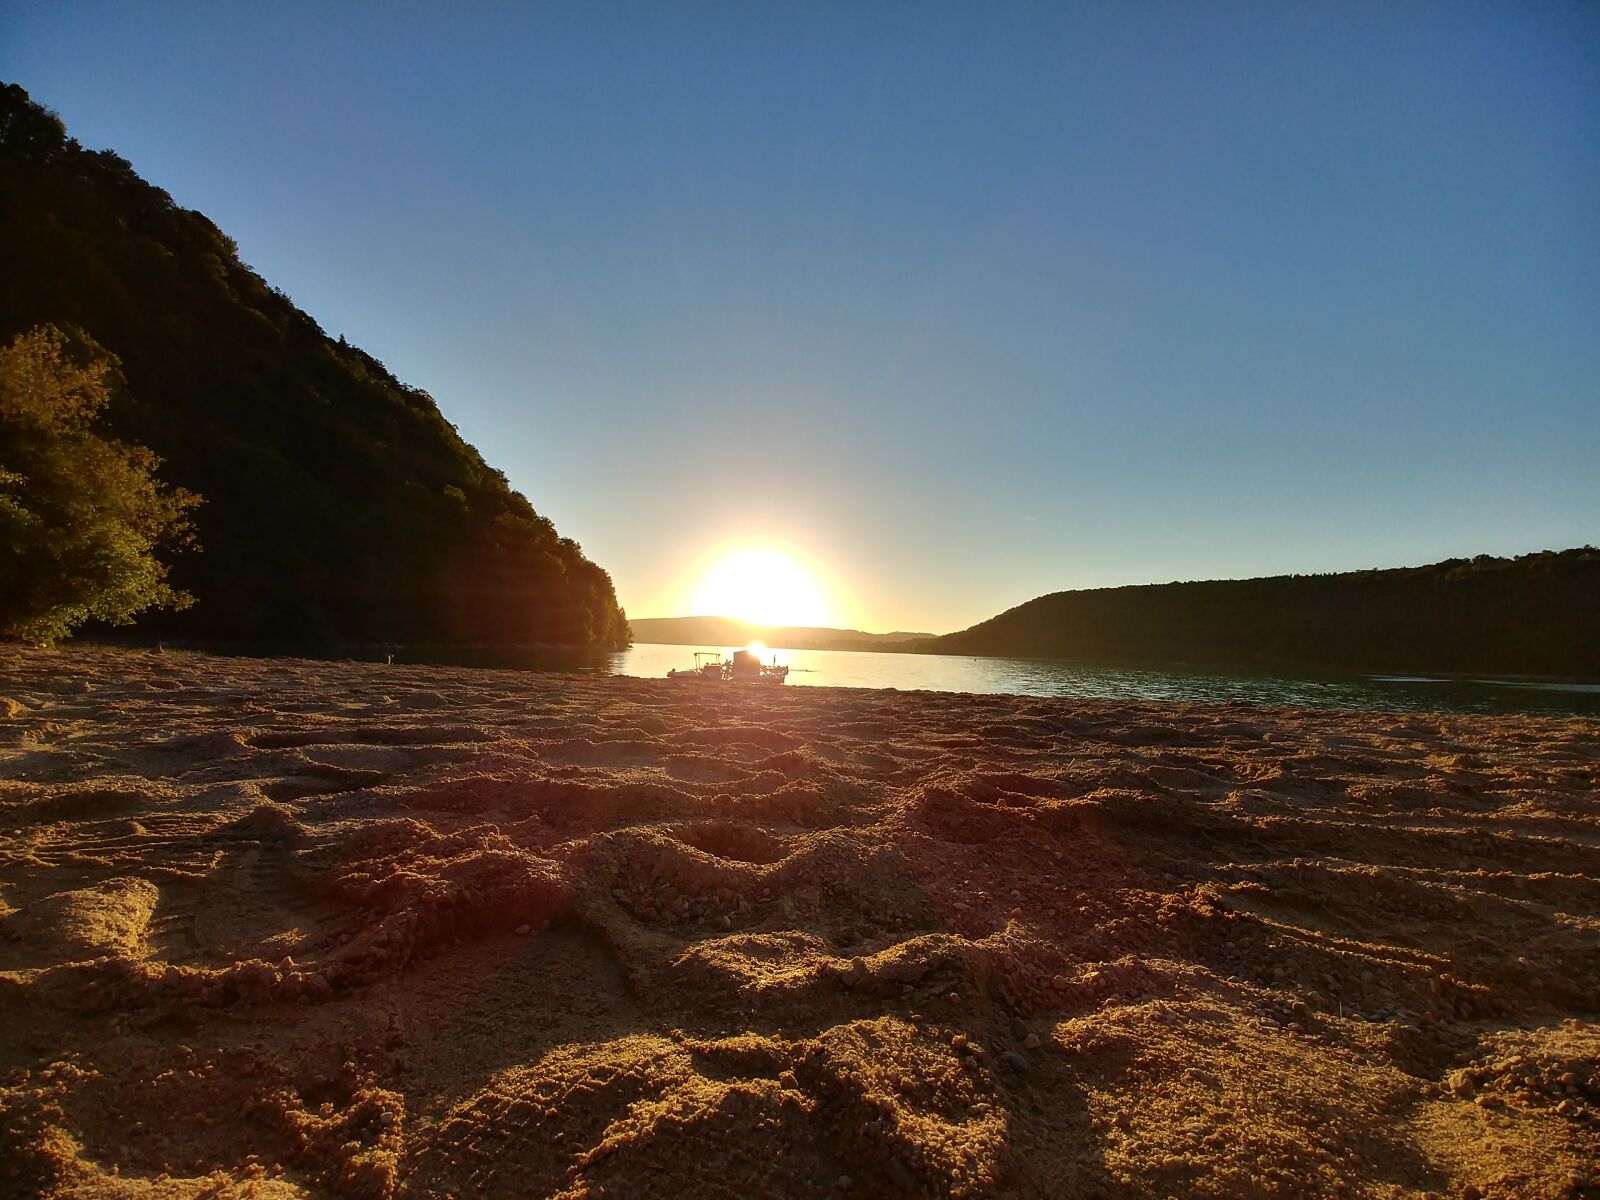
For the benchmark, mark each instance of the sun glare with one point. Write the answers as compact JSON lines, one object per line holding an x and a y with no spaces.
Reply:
{"x":764,"y":587}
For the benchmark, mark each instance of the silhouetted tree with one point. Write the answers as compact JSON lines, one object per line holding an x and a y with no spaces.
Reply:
{"x":341,"y":506}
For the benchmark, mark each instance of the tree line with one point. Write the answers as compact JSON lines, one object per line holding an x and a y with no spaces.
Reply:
{"x":323,"y":502}
{"x":1537,"y":614}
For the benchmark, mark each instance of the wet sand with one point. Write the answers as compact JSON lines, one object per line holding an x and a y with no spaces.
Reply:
{"x":285,"y":928}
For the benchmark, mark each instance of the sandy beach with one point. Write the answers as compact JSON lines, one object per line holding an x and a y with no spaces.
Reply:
{"x":285,"y":928}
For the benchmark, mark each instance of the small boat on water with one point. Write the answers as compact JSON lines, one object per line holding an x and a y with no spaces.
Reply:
{"x":745,"y":667}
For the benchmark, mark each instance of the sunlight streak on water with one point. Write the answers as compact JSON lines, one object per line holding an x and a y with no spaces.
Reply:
{"x":1044,"y":677}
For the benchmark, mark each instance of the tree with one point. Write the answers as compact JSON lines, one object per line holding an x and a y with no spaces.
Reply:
{"x":81,"y":516}
{"x":329,"y":521}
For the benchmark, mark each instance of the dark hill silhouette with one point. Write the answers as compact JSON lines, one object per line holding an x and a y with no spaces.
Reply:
{"x":1538,"y":614}
{"x":728,"y":631}
{"x":340,"y":505}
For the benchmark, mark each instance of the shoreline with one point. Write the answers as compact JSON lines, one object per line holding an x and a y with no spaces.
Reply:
{"x":439,"y":930}
{"x":546,"y":657}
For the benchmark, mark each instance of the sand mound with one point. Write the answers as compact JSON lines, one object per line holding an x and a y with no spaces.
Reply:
{"x":109,"y":918}
{"x":278,"y":928}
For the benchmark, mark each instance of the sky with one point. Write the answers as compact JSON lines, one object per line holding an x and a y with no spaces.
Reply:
{"x":959,"y":304}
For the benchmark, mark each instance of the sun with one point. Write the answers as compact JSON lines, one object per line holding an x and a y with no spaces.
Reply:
{"x":762,"y":586}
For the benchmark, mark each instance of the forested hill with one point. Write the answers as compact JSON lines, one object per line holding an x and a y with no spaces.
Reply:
{"x":726,"y":631}
{"x":1534,"y":615}
{"x":339,"y":504}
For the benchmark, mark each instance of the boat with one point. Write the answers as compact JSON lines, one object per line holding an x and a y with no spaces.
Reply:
{"x":744,"y":667}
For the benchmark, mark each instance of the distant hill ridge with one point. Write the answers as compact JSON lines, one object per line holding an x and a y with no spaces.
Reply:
{"x":340,"y":505}
{"x":1537,"y":615}
{"x":726,"y":631}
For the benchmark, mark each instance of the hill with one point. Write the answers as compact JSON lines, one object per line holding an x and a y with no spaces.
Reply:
{"x":340,"y":505}
{"x":726,"y":631}
{"x":1538,"y":614}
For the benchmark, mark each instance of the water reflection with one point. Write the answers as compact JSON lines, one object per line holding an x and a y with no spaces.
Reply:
{"x":1047,"y":677}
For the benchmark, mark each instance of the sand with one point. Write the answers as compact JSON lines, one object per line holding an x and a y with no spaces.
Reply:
{"x":283,"y":928}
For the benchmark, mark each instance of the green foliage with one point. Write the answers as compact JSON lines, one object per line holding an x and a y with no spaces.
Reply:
{"x":81,"y":517}
{"x":341,"y":506}
{"x":1532,"y":615}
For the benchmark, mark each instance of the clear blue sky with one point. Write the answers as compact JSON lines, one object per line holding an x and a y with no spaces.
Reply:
{"x":970,"y":303}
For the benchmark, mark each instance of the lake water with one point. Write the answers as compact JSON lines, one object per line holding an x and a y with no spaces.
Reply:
{"x":1047,"y":677}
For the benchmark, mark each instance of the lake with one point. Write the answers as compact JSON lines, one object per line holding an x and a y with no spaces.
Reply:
{"x":1047,"y":677}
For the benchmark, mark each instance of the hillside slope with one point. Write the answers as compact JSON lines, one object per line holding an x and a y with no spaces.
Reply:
{"x":1534,"y":615}
{"x":727,"y":631}
{"x":340,"y":505}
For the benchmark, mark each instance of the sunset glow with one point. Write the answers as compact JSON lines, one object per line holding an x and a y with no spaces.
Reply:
{"x":764,"y":586}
